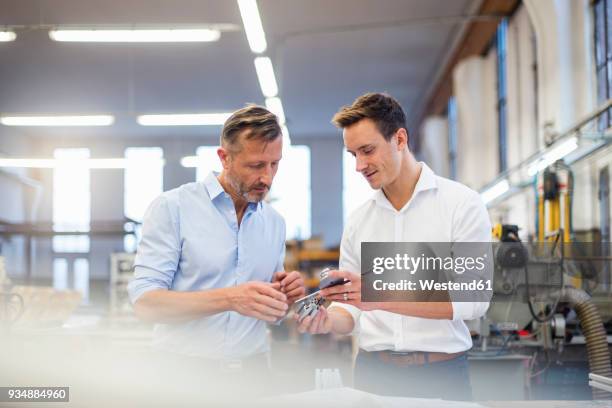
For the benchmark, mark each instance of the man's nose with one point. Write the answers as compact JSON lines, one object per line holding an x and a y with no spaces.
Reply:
{"x":360,"y":164}
{"x":267,"y":176}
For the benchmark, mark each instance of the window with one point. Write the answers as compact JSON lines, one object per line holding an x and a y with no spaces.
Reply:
{"x":71,"y":200}
{"x":208,"y":160}
{"x":502,"y":102}
{"x":143,"y":181}
{"x":291,"y":192}
{"x":603,"y":57}
{"x":355,"y":188}
{"x":81,"y":277}
{"x":60,"y":274}
{"x":71,"y":213}
{"x":452,"y":137}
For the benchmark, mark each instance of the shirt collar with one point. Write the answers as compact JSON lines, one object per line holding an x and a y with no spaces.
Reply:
{"x":215,"y":189}
{"x":212,"y":185}
{"x":427,"y":181}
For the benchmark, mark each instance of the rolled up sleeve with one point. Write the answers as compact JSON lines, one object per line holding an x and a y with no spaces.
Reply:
{"x":469,"y":310}
{"x":159,"y":249}
{"x":472,"y":225}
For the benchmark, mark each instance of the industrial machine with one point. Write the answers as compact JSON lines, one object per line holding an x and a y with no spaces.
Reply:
{"x":552,"y":292}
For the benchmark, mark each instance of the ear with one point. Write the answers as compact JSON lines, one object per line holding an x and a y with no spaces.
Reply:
{"x":402,"y":138}
{"x":224,"y":156}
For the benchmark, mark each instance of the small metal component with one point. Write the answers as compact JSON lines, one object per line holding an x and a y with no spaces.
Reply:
{"x":309,"y":305}
{"x":327,"y":282}
{"x":558,"y":325}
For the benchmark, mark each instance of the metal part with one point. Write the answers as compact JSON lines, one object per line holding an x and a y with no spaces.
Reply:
{"x":309,"y":305}
{"x":558,"y":325}
{"x":327,"y":282}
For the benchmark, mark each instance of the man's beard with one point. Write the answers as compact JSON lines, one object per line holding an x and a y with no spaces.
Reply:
{"x":244,"y":191}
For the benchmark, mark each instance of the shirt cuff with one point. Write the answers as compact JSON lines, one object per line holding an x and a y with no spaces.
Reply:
{"x":469,"y":310}
{"x":139,"y":286}
{"x":355,"y":312}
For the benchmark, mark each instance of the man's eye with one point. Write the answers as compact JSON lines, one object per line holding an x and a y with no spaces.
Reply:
{"x":368,"y":151}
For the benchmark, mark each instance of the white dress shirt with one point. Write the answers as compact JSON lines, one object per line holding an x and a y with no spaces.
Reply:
{"x":440,"y":210}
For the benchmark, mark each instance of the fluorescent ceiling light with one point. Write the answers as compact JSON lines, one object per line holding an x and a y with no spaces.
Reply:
{"x":6,"y":36}
{"x":195,"y":119}
{"x":76,"y":120}
{"x":275,"y":106}
{"x":194,"y":161}
{"x":111,"y":163}
{"x":556,"y":153}
{"x":137,"y":35}
{"x":190,"y":161}
{"x":265,"y":74}
{"x":495,"y":191}
{"x":28,"y":163}
{"x":122,"y":163}
{"x":252,"y":25}
{"x":106,"y":163}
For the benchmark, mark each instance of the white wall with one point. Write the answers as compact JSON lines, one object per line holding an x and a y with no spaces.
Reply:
{"x":434,"y":145}
{"x":522,"y":133}
{"x":565,"y":60}
{"x":521,"y":89}
{"x":477,"y":144}
{"x":561,"y":92}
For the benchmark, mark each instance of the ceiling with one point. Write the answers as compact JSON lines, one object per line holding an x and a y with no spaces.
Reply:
{"x":325,"y":53}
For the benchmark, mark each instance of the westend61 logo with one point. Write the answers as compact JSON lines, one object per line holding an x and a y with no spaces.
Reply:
{"x":411,"y":264}
{"x":426,"y":271}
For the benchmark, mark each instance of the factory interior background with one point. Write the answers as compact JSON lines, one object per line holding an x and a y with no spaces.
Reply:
{"x":500,"y":95}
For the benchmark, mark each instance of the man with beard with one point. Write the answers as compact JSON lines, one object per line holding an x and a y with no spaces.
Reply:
{"x":209,"y":269}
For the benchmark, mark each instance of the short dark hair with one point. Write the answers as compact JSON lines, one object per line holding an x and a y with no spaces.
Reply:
{"x":262,"y":124}
{"x":381,"y":108}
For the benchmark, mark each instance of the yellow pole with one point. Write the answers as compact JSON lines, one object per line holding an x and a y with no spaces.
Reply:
{"x":567,"y":223}
{"x":552,"y":216}
{"x":541,"y":219}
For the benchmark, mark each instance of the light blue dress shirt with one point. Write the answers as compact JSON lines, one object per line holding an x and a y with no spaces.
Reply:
{"x":191,"y":241}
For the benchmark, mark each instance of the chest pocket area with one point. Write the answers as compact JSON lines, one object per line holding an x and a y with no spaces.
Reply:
{"x":209,"y":248}
{"x":259,"y":250}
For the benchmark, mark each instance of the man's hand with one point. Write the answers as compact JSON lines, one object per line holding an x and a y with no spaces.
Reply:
{"x":349,"y":293}
{"x":260,"y":300}
{"x":317,"y":324}
{"x":291,"y":284}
